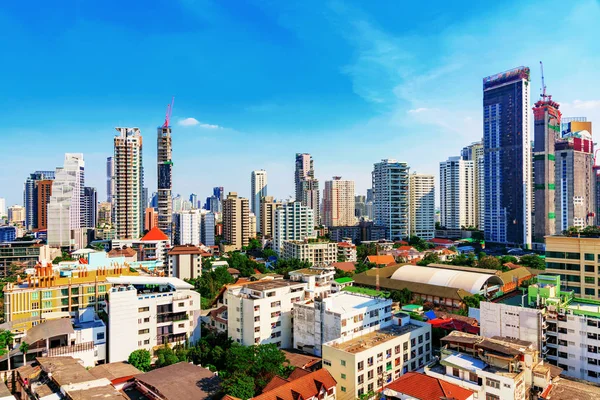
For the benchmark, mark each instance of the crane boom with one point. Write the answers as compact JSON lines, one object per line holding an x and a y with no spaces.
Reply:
{"x":169,"y":113}
{"x":543,"y":83}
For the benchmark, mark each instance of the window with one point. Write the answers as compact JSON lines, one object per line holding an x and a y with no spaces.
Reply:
{"x":361,"y":365}
{"x":35,"y":296}
{"x":48,"y":295}
{"x":147,"y":341}
{"x":147,"y":319}
{"x":90,"y":289}
{"x":35,"y":305}
{"x":397,"y":349}
{"x":370,"y":361}
{"x":327,"y":362}
{"x":413,"y":342}
{"x":343,"y":376}
{"x":405,"y":346}
{"x":370,"y":387}
{"x":143,"y":331}
{"x":590,"y":291}
{"x":492,"y":383}
{"x":361,"y":391}
{"x":590,"y":268}
{"x":143,"y":309}
{"x":380,"y":370}
{"x":102,"y":288}
{"x":343,"y":363}
{"x":100,"y":336}
{"x":455,"y":372}
{"x":427,"y":336}
{"x":361,"y":379}
{"x":343,"y":388}
{"x":370,"y":375}
{"x":47,"y":304}
{"x":420,"y":339}
{"x":489,"y":396}
{"x":589,"y":279}
{"x":589,"y":257}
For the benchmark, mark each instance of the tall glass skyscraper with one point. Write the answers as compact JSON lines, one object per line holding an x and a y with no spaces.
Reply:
{"x":507,"y":157}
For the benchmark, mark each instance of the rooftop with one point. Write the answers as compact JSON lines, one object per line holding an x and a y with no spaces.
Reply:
{"x":345,"y":302}
{"x":365,"y":291}
{"x":568,"y":389}
{"x":304,"y":387}
{"x":114,"y":371}
{"x":372,"y":339}
{"x":149,"y":280}
{"x":155,"y":234}
{"x":382,"y":260}
{"x":424,"y":387}
{"x":347,"y":266}
{"x":344,"y":280}
{"x":299,"y":359}
{"x":184,"y":249}
{"x":311,"y":271}
{"x":181,"y":381}
{"x":261,"y":286}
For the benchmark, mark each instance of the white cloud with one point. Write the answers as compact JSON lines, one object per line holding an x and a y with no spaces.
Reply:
{"x":418,"y":110}
{"x":586,"y":104}
{"x":188,"y":122}
{"x":194,"y":122}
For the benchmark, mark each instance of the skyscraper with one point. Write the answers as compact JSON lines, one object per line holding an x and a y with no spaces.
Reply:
{"x":391,"y":198}
{"x":339,"y":202}
{"x":30,"y":197}
{"x":474,"y":152}
{"x":507,"y":157}
{"x":43,"y":192}
{"x":268,"y":207}
{"x":129,"y":183}
{"x":90,"y":207}
{"x":258,"y":190}
{"x":546,"y":130}
{"x":236,"y":221}
{"x":194,"y":200}
{"x":207,"y":231}
{"x":165,"y":179}
{"x":575,"y":177}
{"x":66,"y":203}
{"x":457,"y":193}
{"x":311,"y":197}
{"x":304,"y":169}
{"x":110,"y":179}
{"x":188,"y":227}
{"x":307,"y":186}
{"x":422,"y":205}
{"x":2,"y":207}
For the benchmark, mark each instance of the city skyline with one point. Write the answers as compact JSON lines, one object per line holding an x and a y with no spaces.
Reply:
{"x":370,"y":99}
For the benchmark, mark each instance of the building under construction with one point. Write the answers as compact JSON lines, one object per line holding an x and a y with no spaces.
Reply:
{"x":165,"y":175}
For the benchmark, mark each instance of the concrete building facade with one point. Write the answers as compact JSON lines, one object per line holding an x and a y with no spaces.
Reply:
{"x":236,"y":221}
{"x":164,"y":173}
{"x":391,"y":198}
{"x":474,"y":152}
{"x":293,"y":221}
{"x":457,"y":193}
{"x":185,"y":262}
{"x":422,"y":205}
{"x":258,"y":190}
{"x":317,"y":253}
{"x":339,"y":202}
{"x":268,"y":208}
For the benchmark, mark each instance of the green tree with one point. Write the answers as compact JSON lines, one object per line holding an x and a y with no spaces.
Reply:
{"x":533,"y":261}
{"x":508,"y":259}
{"x":285,"y":266}
{"x":419,"y":244}
{"x":24,"y":348}
{"x":363,"y":267}
{"x":489,"y":262}
{"x":403,"y":296}
{"x":64,"y":257}
{"x":591,"y":230}
{"x":473,"y":301}
{"x":266,"y":253}
{"x":364,"y":250}
{"x":239,"y":385}
{"x":342,"y":274}
{"x":166,"y":356}
{"x":6,"y":340}
{"x":430,"y":258}
{"x":140,"y":359}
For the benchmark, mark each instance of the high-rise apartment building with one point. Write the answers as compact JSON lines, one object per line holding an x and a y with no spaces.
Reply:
{"x":268,"y":208}
{"x":110,"y":179}
{"x":546,"y":130}
{"x":293,"y":221}
{"x":207,"y":230}
{"x":338,"y":202}
{"x":457,"y":193}
{"x":507,"y":152}
{"x":150,"y":218}
{"x":475,"y":153}
{"x":105,"y":214}
{"x":188,"y":227}
{"x":422,"y":205}
{"x":391,"y":198}
{"x":90,"y":207}
{"x":307,"y":186}
{"x":2,"y":207}
{"x":165,"y":179}
{"x":219,"y":195}
{"x":236,"y":221}
{"x":66,"y":203}
{"x":194,"y":200}
{"x":129,"y":183}
{"x":360,"y":206}
{"x":575,"y":177}
{"x":30,"y":197}
{"x":16,"y":214}
{"x":43,"y":190}
{"x":258,"y":190}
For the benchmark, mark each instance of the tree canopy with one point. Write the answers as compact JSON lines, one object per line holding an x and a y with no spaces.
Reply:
{"x":533,"y":261}
{"x":140,"y":359}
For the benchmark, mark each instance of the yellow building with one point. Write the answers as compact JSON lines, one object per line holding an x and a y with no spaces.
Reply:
{"x":46,"y":294}
{"x":577,"y":261}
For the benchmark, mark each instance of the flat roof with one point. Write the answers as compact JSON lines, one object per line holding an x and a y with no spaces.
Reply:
{"x":344,"y":302}
{"x":465,"y":362}
{"x":372,"y":339}
{"x":116,"y":370}
{"x":344,"y":280}
{"x":149,"y":280}
{"x":261,"y":286}
{"x":567,"y":389}
{"x":182,"y":381}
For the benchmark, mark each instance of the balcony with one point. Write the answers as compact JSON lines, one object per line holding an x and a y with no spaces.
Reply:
{"x":69,"y":350}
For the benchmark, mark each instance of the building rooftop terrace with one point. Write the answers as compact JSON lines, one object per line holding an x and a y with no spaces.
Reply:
{"x":373,"y":339}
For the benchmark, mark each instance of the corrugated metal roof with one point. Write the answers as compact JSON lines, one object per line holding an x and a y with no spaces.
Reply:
{"x":472,"y":282}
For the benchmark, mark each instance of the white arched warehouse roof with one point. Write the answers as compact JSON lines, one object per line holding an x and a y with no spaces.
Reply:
{"x":472,"y":282}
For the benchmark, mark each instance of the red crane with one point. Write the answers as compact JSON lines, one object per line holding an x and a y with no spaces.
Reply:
{"x":169,"y":112}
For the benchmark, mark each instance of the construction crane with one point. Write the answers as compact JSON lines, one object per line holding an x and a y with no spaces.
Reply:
{"x":543,"y":83}
{"x":168,"y":114}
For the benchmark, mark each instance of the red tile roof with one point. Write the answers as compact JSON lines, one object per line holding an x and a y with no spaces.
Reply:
{"x":185,"y":249}
{"x":345,"y":244}
{"x":275,"y":383}
{"x":305,"y":387}
{"x":124,"y":252}
{"x":382,"y":260}
{"x":441,"y":241}
{"x":405,"y":248}
{"x":154,"y":234}
{"x":423,"y":387}
{"x":345,"y":266}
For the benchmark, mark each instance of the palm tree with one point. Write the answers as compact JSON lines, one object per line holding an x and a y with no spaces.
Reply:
{"x":6,"y":339}
{"x":24,"y":347}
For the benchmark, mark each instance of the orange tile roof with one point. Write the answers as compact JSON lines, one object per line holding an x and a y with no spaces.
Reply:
{"x":125,"y":252}
{"x":424,"y":387}
{"x":346,"y":244}
{"x":275,"y":383}
{"x":305,"y":387}
{"x":154,"y":234}
{"x":184,"y":249}
{"x":405,"y":248}
{"x":382,"y":260}
{"x":347,"y":266}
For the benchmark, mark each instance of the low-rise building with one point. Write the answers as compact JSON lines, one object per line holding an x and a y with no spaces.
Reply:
{"x":494,"y":368}
{"x":185,"y":262}
{"x":340,"y":283}
{"x":366,"y":363}
{"x":21,"y":253}
{"x":564,"y":328}
{"x":343,"y":315}
{"x":318,"y":280}
{"x":146,"y":311}
{"x":346,"y":251}
{"x":153,"y":246}
{"x":261,"y":312}
{"x":317,"y":385}
{"x":418,"y":386}
{"x":318,"y":253}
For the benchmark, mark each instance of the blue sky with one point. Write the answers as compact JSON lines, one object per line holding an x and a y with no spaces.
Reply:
{"x":349,"y":82}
